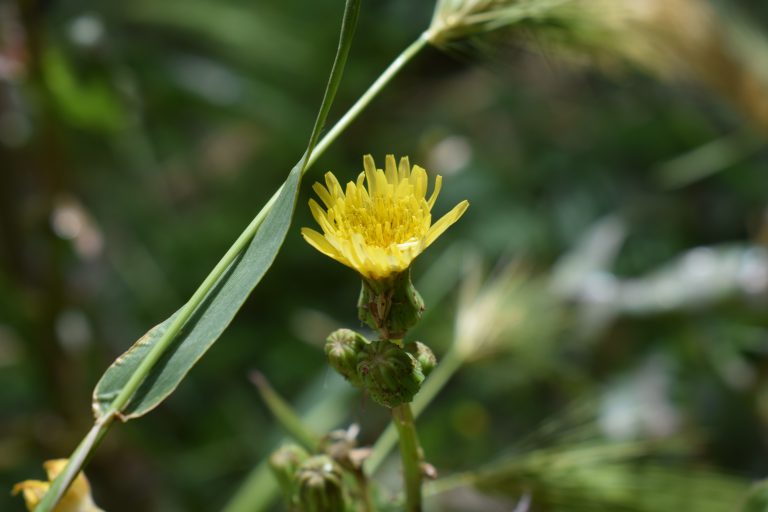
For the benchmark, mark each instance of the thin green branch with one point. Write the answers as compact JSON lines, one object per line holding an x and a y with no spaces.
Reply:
{"x":393,"y":69}
{"x":411,"y":455}
{"x":284,"y":413}
{"x":363,"y":487}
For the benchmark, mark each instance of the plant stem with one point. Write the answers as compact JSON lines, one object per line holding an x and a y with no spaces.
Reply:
{"x":365,"y":491}
{"x":446,"y":368}
{"x":83,"y":451}
{"x":411,"y":455}
{"x":375,"y":88}
{"x":284,"y":413}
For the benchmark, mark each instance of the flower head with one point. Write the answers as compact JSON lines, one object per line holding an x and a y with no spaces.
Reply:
{"x":76,"y":499}
{"x":381,"y":222}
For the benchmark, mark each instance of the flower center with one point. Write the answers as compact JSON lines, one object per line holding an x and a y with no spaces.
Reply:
{"x":384,"y":221}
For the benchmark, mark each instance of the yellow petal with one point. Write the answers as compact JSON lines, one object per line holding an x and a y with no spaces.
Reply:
{"x":319,"y":242}
{"x":390,"y":167}
{"x":419,"y":180}
{"x":361,"y":182}
{"x":32,"y":491}
{"x":445,"y":222}
{"x":381,"y":222}
{"x":323,"y":194}
{"x":404,"y":169}
{"x":76,"y":499}
{"x":320,"y":216}
{"x":332,"y":184}
{"x":383,"y":187}
{"x":369,"y":167}
{"x":435,"y":191}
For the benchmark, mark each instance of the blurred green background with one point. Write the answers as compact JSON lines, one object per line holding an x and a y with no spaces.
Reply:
{"x":137,"y":139}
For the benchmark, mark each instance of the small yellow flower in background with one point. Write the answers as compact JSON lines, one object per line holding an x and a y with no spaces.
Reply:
{"x":381,"y":222}
{"x":76,"y":499}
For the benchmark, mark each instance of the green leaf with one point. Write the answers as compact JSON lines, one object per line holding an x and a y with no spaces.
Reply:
{"x":206,"y":324}
{"x":159,"y":361}
{"x":757,"y":499}
{"x":88,"y":104}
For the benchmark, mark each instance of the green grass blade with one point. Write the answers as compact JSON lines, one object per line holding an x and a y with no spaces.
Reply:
{"x":284,"y":413}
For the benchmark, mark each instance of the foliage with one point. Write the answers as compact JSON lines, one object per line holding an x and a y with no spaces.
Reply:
{"x":632,"y":199}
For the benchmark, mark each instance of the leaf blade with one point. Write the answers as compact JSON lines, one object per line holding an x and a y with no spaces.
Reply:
{"x":231,"y":289}
{"x":207,"y":323}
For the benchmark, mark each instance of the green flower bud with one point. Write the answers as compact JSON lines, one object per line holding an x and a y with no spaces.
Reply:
{"x":423,"y":355}
{"x":320,"y":485}
{"x":284,"y":463}
{"x":390,"y":306}
{"x":390,"y":374}
{"x":342,"y":348}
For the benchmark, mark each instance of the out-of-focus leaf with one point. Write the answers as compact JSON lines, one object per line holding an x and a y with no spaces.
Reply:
{"x":708,"y":159}
{"x":757,"y":500}
{"x":84,"y":104}
{"x":247,"y":30}
{"x":284,"y":413}
{"x":568,"y":465}
{"x":608,"y":476}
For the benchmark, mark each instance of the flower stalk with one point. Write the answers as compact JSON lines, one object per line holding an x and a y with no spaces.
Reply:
{"x":377,"y":225}
{"x":449,"y":365}
{"x":411,"y":455}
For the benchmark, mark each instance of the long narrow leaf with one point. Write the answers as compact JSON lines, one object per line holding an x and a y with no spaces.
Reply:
{"x":148,"y":372}
{"x":207,"y":323}
{"x":212,"y":316}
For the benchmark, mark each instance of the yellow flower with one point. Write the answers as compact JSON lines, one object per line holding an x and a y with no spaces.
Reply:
{"x":76,"y":499}
{"x":381,"y":222}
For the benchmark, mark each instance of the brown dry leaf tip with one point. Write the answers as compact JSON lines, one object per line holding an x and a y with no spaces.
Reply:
{"x":358,"y":456}
{"x":428,"y":470}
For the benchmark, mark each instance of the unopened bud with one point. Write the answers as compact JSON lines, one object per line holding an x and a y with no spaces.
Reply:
{"x":391,"y":306}
{"x":423,"y":355}
{"x":284,"y":463}
{"x":390,"y":374}
{"x":342,"y":348}
{"x":320,"y":485}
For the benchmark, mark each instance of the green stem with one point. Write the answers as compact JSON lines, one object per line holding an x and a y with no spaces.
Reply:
{"x":91,"y":440}
{"x":284,"y":413}
{"x":411,"y":455}
{"x":393,"y":69}
{"x":446,"y":368}
{"x":366,"y":501}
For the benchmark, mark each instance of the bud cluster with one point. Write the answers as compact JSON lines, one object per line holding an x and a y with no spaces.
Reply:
{"x":390,"y":373}
{"x":316,"y":483}
{"x":311,"y":483}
